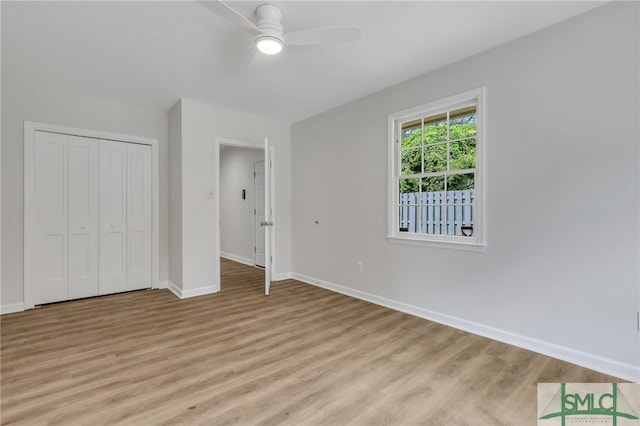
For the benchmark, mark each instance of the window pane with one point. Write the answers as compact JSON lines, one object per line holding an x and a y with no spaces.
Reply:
{"x":432,"y":219}
{"x":408,"y":186}
{"x":463,"y":123}
{"x":435,"y":128}
{"x":433,"y":184}
{"x":411,"y":161}
{"x":460,"y":214}
{"x":462,"y":154}
{"x":461,"y":182}
{"x":433,"y":201}
{"x":435,"y":158}
{"x":408,"y":209}
{"x":411,"y":135}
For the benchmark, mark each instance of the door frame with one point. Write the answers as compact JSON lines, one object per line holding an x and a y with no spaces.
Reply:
{"x":216,"y":150}
{"x":30,"y":127}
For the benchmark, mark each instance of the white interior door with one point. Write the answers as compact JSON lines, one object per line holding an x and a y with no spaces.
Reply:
{"x":113,"y":216}
{"x":138,"y":216}
{"x":83,"y":207}
{"x":259,"y":217}
{"x":268,"y":216}
{"x":50,"y":217}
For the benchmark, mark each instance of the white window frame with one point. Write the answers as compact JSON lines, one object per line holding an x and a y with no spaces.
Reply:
{"x":476,"y":242}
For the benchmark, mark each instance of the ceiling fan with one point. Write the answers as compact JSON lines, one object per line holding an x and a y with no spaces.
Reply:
{"x":270,"y":37}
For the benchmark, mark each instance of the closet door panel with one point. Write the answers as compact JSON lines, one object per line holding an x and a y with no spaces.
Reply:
{"x":113,"y":216}
{"x":138,"y":216}
{"x":84,"y":166}
{"x":50,"y":215}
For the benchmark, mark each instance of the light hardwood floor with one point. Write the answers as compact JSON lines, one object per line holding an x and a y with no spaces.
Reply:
{"x":301,"y":356}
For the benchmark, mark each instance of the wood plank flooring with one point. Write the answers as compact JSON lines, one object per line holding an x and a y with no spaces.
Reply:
{"x":301,"y":356}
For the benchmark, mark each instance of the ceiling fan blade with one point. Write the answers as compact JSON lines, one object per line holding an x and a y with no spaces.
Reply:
{"x":254,"y":63}
{"x":325,"y":35}
{"x":231,"y":15}
{"x":260,"y":63}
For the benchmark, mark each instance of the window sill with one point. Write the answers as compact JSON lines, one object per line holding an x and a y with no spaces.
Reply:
{"x":437,"y":244}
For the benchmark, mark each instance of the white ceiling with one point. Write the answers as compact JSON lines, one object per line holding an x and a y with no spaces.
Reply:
{"x":152,"y":53}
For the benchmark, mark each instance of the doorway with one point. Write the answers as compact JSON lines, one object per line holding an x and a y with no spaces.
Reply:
{"x":259,"y":216}
{"x":240,"y":238}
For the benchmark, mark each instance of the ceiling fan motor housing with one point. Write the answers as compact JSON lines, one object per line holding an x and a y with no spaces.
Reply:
{"x":269,"y":22}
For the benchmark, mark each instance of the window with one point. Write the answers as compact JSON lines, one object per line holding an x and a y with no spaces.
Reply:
{"x":435,"y":186}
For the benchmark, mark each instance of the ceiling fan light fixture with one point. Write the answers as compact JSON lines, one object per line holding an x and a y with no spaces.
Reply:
{"x":269,"y":45}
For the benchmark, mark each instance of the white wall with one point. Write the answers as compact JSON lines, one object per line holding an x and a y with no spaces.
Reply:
{"x":560,"y":274}
{"x":175,"y":194}
{"x":201,"y":125}
{"x":0,"y":175}
{"x":20,"y":103}
{"x":236,"y":214}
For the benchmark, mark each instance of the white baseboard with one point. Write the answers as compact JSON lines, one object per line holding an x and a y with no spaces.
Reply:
{"x":239,"y":259}
{"x":174,"y":289}
{"x":584,"y":359}
{"x":19,"y":307}
{"x":11,"y":308}
{"x":275,"y":277}
{"x":192,"y":292}
{"x":282,"y":276}
{"x":200,"y":291}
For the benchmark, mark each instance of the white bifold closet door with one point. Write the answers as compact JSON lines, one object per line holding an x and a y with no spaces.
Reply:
{"x":138,"y":216}
{"x":92,"y":214}
{"x":84,"y":218}
{"x":125,"y":216}
{"x":113,"y":217}
{"x":66,"y":217}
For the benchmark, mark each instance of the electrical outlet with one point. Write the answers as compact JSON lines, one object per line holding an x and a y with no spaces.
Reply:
{"x":359,"y":266}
